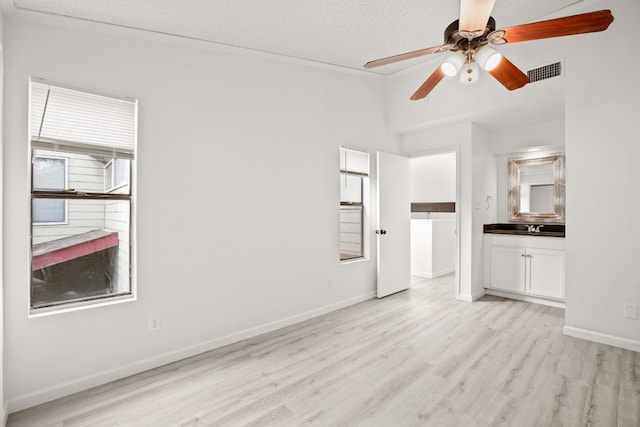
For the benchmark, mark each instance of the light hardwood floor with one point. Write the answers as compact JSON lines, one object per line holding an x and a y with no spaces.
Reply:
{"x":418,"y":357}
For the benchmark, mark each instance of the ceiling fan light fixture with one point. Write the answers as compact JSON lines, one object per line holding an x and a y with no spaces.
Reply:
{"x":488,"y":58}
{"x":470,"y":74}
{"x":452,"y":65}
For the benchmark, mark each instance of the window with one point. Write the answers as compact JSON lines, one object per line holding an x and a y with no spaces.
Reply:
{"x":354,"y":172}
{"x":49,"y":173}
{"x":83,"y":152}
{"x":116,"y":174}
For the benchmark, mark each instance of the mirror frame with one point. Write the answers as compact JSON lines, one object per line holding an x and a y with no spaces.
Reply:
{"x":558,"y":215}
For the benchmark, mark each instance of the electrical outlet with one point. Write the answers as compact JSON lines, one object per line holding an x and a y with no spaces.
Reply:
{"x":154,"y":322}
{"x":330,"y":284}
{"x":631,"y":311}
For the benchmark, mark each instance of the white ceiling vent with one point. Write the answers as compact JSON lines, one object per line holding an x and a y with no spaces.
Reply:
{"x":545,"y":72}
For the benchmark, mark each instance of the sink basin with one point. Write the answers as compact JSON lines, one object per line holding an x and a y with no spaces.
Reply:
{"x":549,"y":230}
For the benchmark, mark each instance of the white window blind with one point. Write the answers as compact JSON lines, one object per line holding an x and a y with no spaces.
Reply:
{"x":69,"y":120}
{"x":354,"y":161}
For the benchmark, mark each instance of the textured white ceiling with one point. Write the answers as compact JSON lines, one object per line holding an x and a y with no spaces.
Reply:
{"x":346,"y":33}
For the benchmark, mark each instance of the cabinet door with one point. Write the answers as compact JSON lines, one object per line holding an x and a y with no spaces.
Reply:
{"x":507,"y":268}
{"x":546,"y":273}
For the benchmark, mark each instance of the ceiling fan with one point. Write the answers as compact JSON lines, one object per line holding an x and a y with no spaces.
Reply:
{"x":470,"y":38}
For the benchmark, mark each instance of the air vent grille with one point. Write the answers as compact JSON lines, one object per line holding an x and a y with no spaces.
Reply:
{"x":545,"y":72}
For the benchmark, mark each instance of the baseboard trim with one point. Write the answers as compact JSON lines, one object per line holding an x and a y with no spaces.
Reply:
{"x":465,"y":297}
{"x":80,"y":384}
{"x":470,"y":297}
{"x":527,"y":298}
{"x":432,"y":275}
{"x":477,"y":295}
{"x":602,"y":338}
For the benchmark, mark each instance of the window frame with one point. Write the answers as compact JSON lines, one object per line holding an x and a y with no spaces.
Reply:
{"x":108,"y":152}
{"x":97,"y":300}
{"x":362,"y":204}
{"x":66,"y":185}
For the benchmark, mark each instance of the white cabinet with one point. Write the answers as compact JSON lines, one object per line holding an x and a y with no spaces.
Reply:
{"x":525,"y":266}
{"x":508,"y":270}
{"x":545,"y":275}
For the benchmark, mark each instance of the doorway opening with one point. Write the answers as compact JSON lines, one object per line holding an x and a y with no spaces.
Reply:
{"x":435,"y":219}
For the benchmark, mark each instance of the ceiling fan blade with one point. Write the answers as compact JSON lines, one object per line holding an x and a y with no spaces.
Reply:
{"x":591,"y":22}
{"x":509,"y":75}
{"x":474,"y":15}
{"x":404,"y":56}
{"x":428,"y":85}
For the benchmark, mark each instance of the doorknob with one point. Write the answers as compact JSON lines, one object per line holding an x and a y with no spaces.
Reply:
{"x":381,"y":231}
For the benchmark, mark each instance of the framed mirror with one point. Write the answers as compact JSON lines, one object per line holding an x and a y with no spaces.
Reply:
{"x":537,"y":189}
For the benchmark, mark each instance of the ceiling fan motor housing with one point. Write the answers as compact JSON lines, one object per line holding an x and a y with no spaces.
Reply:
{"x":457,"y":41}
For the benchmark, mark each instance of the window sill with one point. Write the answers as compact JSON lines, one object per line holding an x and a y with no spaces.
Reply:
{"x":354,"y":260}
{"x":81,"y":305}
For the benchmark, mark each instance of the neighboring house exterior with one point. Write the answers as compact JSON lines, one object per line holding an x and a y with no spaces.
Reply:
{"x":94,"y":233}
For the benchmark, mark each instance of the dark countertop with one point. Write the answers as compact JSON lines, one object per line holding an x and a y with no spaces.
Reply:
{"x":549,"y":230}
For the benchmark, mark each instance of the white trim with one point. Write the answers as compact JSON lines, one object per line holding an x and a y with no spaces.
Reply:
{"x":69,"y":387}
{"x":602,"y":338}
{"x":526,"y":298}
{"x":431,"y":274}
{"x":68,"y":307}
{"x":470,"y":298}
{"x":464,"y":297}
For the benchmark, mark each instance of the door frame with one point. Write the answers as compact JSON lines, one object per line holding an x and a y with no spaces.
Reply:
{"x":444,"y":150}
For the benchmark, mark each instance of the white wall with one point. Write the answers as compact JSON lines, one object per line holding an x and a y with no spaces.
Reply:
{"x":237,"y":209}
{"x":603,"y":150}
{"x":484,"y":190}
{"x":433,"y":247}
{"x":547,"y":135}
{"x":433,"y":178}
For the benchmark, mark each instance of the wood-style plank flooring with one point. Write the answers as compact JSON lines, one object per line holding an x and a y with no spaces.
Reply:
{"x":418,"y":357}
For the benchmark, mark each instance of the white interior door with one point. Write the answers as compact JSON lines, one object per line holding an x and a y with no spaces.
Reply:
{"x":394,"y":222}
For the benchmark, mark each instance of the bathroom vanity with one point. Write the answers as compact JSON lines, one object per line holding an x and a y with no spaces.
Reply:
{"x":525,"y":258}
{"x":525,"y":265}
